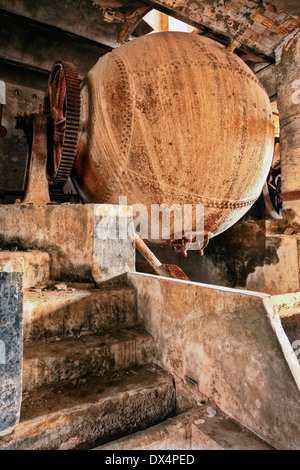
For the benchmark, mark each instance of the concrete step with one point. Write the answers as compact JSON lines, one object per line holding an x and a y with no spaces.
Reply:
{"x":35,"y":266}
{"x":78,"y":310}
{"x":92,"y":412}
{"x":205,"y":428}
{"x":49,"y":362}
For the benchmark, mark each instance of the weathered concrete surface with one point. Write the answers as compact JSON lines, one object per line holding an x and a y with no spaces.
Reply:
{"x":91,"y":25}
{"x":249,"y":256}
{"x":285,"y":313}
{"x":205,"y":428}
{"x":114,"y":246}
{"x":93,"y":411}
{"x":231,"y":347}
{"x":50,"y":362}
{"x":52,"y":46}
{"x":35,"y":266}
{"x":11,"y":350}
{"x":77,"y":311}
{"x":288,"y":79}
{"x":283,"y":276}
{"x":70,"y":234}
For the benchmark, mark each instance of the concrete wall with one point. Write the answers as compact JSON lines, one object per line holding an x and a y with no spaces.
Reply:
{"x":33,"y":36}
{"x":247,"y":256}
{"x":231,"y":347}
{"x":13,"y":147}
{"x":70,"y":234}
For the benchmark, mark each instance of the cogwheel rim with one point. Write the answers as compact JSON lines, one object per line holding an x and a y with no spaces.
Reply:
{"x":62,"y":103}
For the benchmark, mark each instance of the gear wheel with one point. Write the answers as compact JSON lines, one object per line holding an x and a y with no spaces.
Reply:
{"x":62,"y":104}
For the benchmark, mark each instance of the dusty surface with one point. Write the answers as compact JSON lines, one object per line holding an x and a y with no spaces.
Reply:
{"x":47,"y":362}
{"x":80,"y":309}
{"x":232,"y":347}
{"x":247,"y":256}
{"x":93,"y":412}
{"x":70,"y":234}
{"x":165,"y":139}
{"x":35,"y":266}
{"x":205,"y":428}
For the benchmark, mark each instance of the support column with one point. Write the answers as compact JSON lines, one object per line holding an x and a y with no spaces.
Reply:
{"x":11,"y":350}
{"x":288,"y":91}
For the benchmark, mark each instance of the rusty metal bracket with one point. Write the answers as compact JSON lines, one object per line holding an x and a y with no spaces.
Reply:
{"x":131,"y":22}
{"x":166,"y":270}
{"x":37,"y":190}
{"x":290,"y":196}
{"x":200,"y":239}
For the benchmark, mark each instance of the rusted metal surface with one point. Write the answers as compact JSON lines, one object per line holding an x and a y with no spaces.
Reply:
{"x":52,"y":137}
{"x":272,"y":186}
{"x":291,"y":196}
{"x":154,"y":265}
{"x":200,"y":239}
{"x":37,"y":188}
{"x":112,"y":16}
{"x":154,"y":262}
{"x":131,"y":22}
{"x":63,"y":105}
{"x":175,"y":118}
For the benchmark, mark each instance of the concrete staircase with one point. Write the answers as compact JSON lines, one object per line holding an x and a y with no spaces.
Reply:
{"x":90,"y":379}
{"x":88,"y":373}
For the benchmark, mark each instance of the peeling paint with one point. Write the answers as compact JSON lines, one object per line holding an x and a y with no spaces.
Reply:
{"x":241,"y":18}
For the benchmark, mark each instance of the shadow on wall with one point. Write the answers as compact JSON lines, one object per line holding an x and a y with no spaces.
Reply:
{"x":244,"y":256}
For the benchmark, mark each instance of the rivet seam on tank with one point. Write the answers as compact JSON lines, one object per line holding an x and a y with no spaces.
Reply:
{"x":224,"y":204}
{"x":127,"y":123}
{"x":194,"y":63}
{"x":128,"y":118}
{"x":210,"y":202}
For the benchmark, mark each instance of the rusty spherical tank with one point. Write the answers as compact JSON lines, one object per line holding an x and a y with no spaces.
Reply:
{"x":175,"y":118}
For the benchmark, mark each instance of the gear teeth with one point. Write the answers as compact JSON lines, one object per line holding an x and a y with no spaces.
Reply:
{"x":70,"y":138}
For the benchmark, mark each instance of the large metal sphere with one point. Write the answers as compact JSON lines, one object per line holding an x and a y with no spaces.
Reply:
{"x":175,"y":118}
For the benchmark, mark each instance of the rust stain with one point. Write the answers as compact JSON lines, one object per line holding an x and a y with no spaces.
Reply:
{"x":152,"y":129}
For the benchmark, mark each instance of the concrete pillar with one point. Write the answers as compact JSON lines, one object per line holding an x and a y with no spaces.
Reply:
{"x":114,"y":245}
{"x":288,"y":90}
{"x":86,"y":242}
{"x":11,"y":350}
